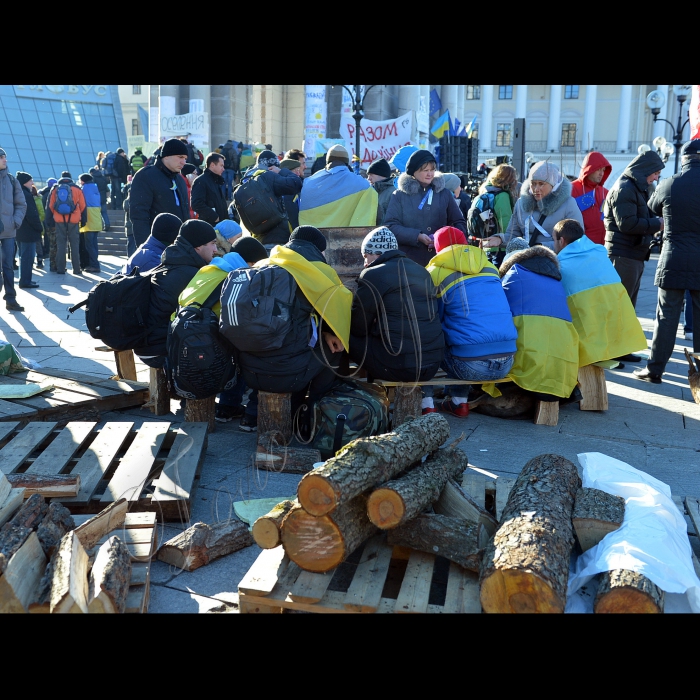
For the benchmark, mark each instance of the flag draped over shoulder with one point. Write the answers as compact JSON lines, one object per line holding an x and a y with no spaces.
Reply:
{"x":321,"y":285}
{"x":337,"y":198}
{"x":600,"y":307}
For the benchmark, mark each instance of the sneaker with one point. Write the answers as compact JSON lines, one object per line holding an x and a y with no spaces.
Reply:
{"x":688,"y":336}
{"x":224,"y":414}
{"x":29,"y":285}
{"x":91,"y":269}
{"x":248,"y":424}
{"x":646,"y":376}
{"x":461,"y":410}
{"x":628,"y":358}
{"x":429,"y":409}
{"x":39,"y":265}
{"x":13,"y":306}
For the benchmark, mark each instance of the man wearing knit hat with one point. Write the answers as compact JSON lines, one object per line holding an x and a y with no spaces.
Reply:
{"x":395,"y":332}
{"x":380,"y":176}
{"x":13,"y":207}
{"x":266,"y":176}
{"x":194,"y":247}
{"x":67,"y":224}
{"x":159,"y":189}
{"x":291,"y":201}
{"x":28,"y":234}
{"x":163,"y":233}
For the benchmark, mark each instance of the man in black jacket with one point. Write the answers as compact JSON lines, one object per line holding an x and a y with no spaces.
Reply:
{"x":159,"y":188}
{"x":232,"y":160}
{"x":679,"y":262}
{"x":194,"y":247}
{"x":120,"y":170}
{"x":395,"y":330}
{"x":28,"y":234}
{"x":208,"y":200}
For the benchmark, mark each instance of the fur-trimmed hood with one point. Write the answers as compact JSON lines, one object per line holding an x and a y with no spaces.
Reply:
{"x":549,"y":204}
{"x":537,"y":258}
{"x":409,"y":185}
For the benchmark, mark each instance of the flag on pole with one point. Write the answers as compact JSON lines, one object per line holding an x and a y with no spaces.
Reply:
{"x":435,"y":103}
{"x":470,"y":127}
{"x":442,"y":125}
{"x":457,"y":124}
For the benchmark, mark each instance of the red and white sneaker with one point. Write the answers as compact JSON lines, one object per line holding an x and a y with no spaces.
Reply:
{"x":429,"y":409}
{"x":461,"y":410}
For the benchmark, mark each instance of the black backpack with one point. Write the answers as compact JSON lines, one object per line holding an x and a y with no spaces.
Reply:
{"x":116,"y":310}
{"x":256,"y":204}
{"x":107,"y":163}
{"x":481,"y":219}
{"x":200,"y":360}
{"x":257,"y":307}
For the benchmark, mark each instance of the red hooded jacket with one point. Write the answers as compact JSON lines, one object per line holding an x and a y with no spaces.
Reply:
{"x":592,"y":209}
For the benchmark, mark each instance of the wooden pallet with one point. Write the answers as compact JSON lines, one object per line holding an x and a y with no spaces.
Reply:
{"x":377,"y":578}
{"x":140,"y":535}
{"x":156,"y":467}
{"x":75,"y":396}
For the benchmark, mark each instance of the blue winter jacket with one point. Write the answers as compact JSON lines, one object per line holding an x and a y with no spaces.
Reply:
{"x":147,"y":256}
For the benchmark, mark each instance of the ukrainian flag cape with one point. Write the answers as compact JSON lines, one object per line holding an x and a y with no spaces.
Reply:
{"x":337,"y":198}
{"x":456,"y":263}
{"x":321,"y":285}
{"x":600,"y":307}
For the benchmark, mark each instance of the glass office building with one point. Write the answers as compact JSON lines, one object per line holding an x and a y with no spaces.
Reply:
{"x":46,"y":129}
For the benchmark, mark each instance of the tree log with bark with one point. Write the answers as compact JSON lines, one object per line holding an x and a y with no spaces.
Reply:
{"x":69,"y":585}
{"x":626,"y":591}
{"x":109,"y":578}
{"x":11,"y":539}
{"x":455,"y":539}
{"x":56,"y":523}
{"x":202,"y":543}
{"x":30,"y":514}
{"x":596,"y":513}
{"x":399,"y":500}
{"x":368,"y":462}
{"x":48,"y":485}
{"x":320,"y":543}
{"x":110,"y":518}
{"x":526,"y":566}
{"x":274,"y":456}
{"x":266,"y":529}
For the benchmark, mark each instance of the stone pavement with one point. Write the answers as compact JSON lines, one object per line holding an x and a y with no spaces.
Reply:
{"x":654,"y":428}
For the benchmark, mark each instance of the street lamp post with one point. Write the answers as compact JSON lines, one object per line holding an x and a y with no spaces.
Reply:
{"x":655,"y":101}
{"x":357,"y":95}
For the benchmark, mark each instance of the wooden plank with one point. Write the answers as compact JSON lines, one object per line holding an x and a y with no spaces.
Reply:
{"x":133,"y":471}
{"x":475,"y":486}
{"x":5,"y":488}
{"x":24,"y":443}
{"x":7,"y":428}
{"x":176,"y":480}
{"x":10,"y":410}
{"x":310,"y":587}
{"x":263,"y":576}
{"x":439,"y":382}
{"x":547,"y":413}
{"x":55,"y":457}
{"x":365,"y":590}
{"x":415,"y":588}
{"x":10,"y":505}
{"x":503,"y":487}
{"x":97,"y":458}
{"x":48,"y":485}
{"x":77,"y":383}
{"x":131,"y":521}
{"x":137,"y":599}
{"x":462,"y":594}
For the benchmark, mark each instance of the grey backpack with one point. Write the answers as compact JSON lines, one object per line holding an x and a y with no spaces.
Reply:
{"x":257,"y":308}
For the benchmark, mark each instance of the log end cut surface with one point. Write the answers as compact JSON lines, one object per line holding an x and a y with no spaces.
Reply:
{"x":303,"y":534}
{"x":519,"y":592}
{"x":317,"y":494}
{"x":385,"y":508}
{"x":265,"y":533}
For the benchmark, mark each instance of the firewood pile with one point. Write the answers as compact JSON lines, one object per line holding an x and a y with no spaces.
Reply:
{"x":405,"y":483}
{"x":48,"y":565}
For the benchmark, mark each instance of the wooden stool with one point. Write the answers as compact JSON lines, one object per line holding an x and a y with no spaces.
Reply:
{"x":547,"y":413}
{"x":594,"y":388}
{"x":160,"y":396}
{"x":201,"y":411}
{"x":126,"y":367}
{"x":275,"y":415}
{"x":408,"y":401}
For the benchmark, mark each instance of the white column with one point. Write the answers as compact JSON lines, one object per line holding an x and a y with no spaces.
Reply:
{"x":461,"y":89}
{"x":659,"y":128}
{"x":588,"y":131}
{"x":200,"y":101}
{"x":520,"y":101}
{"x":168,"y":99}
{"x":153,"y":114}
{"x":409,"y":101}
{"x":485,"y":125}
{"x":623,"y":125}
{"x":554,"y":127}
{"x":448,"y":97}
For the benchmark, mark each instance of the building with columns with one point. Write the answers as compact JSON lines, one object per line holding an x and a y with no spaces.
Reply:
{"x":562,"y":122}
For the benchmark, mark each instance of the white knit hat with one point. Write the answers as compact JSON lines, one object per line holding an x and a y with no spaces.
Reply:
{"x":378,"y":241}
{"x":545,"y":171}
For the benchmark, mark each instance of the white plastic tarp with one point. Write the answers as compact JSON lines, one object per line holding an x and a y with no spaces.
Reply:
{"x":652,"y":540}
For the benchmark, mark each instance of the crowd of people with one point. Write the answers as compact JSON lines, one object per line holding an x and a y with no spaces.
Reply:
{"x":551,"y":290}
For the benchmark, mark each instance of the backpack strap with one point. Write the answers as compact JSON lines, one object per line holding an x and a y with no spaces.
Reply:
{"x":339,"y":426}
{"x":214,"y":296}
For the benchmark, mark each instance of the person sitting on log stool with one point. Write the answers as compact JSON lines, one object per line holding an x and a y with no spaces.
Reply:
{"x":546,"y":361}
{"x":395,"y":332}
{"x":601,"y":309}
{"x":480,"y":336}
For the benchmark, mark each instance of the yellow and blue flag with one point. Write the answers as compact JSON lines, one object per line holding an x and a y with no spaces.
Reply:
{"x":442,"y":125}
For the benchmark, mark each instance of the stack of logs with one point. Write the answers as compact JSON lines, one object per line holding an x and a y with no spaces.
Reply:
{"x":401,"y":482}
{"x":44,"y":562}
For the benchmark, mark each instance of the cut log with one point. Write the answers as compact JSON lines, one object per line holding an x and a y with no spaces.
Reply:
{"x":319,"y":544}
{"x":159,"y":394}
{"x":596,"y":513}
{"x":56,"y":523}
{"x":47,"y":485}
{"x":109,"y":578}
{"x":594,"y":388}
{"x":526,"y":566}
{"x":625,"y":591}
{"x":275,"y":415}
{"x":266,"y":529}
{"x":693,"y":375}
{"x":5,"y":488}
{"x":399,"y":500}
{"x":30,"y":514}
{"x":457,"y":503}
{"x":369,"y":462}
{"x":11,"y":539}
{"x":110,"y":518}
{"x":202,"y":543}
{"x":19,"y":583}
{"x":69,"y":585}
{"x":42,"y":596}
{"x":407,"y":404}
{"x":9,"y":507}
{"x":201,"y":411}
{"x":455,"y":539}
{"x":273,"y":457}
